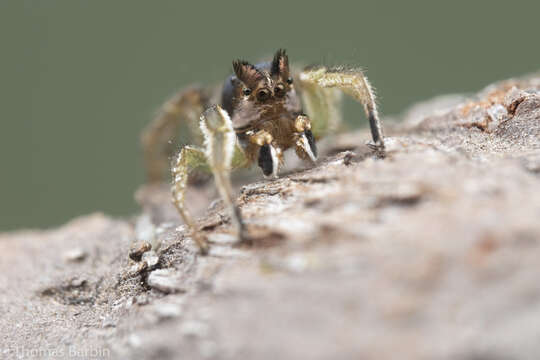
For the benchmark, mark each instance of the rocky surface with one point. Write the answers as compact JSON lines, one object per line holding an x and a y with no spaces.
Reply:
{"x":429,"y":253}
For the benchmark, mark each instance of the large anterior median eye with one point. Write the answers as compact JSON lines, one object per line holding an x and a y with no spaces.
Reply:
{"x":279,"y":90}
{"x":263,"y":95}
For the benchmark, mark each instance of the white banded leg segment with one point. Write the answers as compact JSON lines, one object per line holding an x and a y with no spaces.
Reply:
{"x":305,"y":141}
{"x":306,"y":144}
{"x":220,"y":140}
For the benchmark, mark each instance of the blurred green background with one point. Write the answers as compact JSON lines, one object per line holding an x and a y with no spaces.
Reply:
{"x":80,"y":79}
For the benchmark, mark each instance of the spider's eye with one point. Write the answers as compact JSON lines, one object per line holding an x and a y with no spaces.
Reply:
{"x":279,"y":90}
{"x":263,"y":95}
{"x":246,"y":92}
{"x":289,"y":80}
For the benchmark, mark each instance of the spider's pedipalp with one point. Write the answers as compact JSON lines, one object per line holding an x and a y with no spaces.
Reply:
{"x":351,"y":82}
{"x":266,"y":152}
{"x":305,"y":141}
{"x":269,"y":160}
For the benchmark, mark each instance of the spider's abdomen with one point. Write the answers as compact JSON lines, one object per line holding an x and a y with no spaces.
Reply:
{"x":227,"y":95}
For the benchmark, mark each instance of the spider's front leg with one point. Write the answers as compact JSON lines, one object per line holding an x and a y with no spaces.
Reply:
{"x":351,"y":82}
{"x":220,"y":141}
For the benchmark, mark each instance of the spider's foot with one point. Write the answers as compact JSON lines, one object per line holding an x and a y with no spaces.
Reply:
{"x":244,"y":238}
{"x":201,"y":242}
{"x":270,"y":177}
{"x":378,"y":148}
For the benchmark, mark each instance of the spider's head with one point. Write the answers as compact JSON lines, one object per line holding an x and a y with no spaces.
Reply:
{"x":264,"y":89}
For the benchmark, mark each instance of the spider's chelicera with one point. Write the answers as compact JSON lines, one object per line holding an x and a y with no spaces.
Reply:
{"x":265,"y":109}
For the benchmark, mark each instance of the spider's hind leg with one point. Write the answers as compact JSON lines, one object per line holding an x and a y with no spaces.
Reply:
{"x":177,"y":116}
{"x":353,"y":83}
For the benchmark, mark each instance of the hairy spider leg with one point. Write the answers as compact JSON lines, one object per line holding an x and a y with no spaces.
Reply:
{"x":351,"y":82}
{"x":220,"y":155}
{"x":189,"y":159}
{"x":177,"y":116}
{"x":323,"y":106}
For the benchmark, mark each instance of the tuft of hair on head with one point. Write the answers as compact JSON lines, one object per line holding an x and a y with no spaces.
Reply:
{"x":247,"y":73}
{"x":280,"y":64}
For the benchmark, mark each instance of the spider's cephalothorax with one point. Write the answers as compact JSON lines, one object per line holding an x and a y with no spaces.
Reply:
{"x":261,"y":115}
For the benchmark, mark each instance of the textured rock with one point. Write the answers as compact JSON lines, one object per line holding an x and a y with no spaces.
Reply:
{"x":75,"y":255}
{"x":429,"y":253}
{"x":166,"y":280}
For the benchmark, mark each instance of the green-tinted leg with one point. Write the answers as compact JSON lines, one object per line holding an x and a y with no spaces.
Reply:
{"x":323,"y":105}
{"x":188,"y":159}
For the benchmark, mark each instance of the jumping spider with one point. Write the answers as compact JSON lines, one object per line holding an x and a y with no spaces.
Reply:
{"x":261,"y":115}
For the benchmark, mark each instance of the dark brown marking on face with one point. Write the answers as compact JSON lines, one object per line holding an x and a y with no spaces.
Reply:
{"x":247,"y":73}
